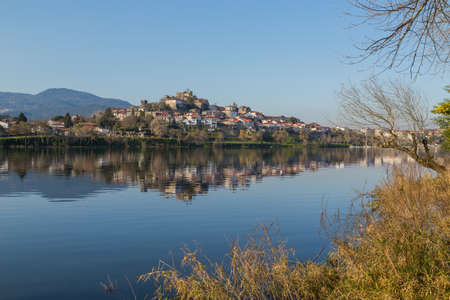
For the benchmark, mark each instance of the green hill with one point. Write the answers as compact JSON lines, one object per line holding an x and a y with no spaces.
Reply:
{"x":53,"y":102}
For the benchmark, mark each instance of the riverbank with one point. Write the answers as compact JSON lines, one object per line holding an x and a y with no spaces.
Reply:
{"x":396,"y":247}
{"x":135,"y":142}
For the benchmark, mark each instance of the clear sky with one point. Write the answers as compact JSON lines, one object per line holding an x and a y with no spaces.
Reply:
{"x":279,"y":57}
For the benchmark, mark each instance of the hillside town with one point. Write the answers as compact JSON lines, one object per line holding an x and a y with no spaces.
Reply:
{"x":188,"y":118}
{"x":185,"y":108}
{"x":183,"y":111}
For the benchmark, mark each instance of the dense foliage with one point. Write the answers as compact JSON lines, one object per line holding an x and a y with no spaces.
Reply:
{"x":443,"y":119}
{"x":22,"y":118}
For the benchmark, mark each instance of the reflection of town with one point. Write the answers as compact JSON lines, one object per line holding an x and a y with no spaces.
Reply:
{"x":185,"y":173}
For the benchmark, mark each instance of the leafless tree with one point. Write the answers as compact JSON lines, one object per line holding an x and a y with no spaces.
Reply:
{"x":396,"y":112}
{"x":159,"y":127}
{"x":410,"y":35}
{"x":129,"y":121}
{"x":20,"y":128}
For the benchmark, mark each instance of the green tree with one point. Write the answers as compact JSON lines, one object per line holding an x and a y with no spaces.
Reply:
{"x":443,"y":119}
{"x":22,"y":118}
{"x":190,"y":101}
{"x":68,"y":121}
{"x":2,"y":131}
{"x":107,"y":120}
{"x":58,"y":118}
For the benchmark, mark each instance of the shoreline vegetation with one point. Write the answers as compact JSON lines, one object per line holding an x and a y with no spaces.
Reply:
{"x":394,"y":247}
{"x":56,"y":141}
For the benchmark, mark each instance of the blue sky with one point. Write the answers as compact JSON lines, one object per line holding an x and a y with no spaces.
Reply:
{"x":279,"y":57}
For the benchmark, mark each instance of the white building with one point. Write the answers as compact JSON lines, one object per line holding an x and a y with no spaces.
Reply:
{"x":55,"y":124}
{"x":209,"y":121}
{"x":4,"y":123}
{"x":102,"y":131}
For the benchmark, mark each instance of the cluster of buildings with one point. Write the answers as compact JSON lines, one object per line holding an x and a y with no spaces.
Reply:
{"x":185,"y":108}
{"x":84,"y":126}
{"x":406,"y":135}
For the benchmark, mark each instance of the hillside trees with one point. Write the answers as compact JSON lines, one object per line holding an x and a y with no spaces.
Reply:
{"x":281,"y":136}
{"x":42,"y":127}
{"x":84,"y":131}
{"x":107,"y":120}
{"x":129,"y":122}
{"x":196,"y":136}
{"x":20,"y":128}
{"x":159,"y":127}
{"x":22,"y":118}
{"x":257,"y":137}
{"x":219,"y":137}
{"x":304,"y":136}
{"x":244,"y":135}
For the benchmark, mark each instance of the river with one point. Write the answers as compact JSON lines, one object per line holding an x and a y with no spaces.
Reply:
{"x":72,"y":219}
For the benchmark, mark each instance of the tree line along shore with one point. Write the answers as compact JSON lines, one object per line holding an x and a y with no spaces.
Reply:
{"x":142,"y":142}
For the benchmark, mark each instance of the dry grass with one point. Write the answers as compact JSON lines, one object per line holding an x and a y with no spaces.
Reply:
{"x":396,"y":247}
{"x":402,"y":249}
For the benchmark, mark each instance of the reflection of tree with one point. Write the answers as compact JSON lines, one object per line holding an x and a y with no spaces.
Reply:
{"x":185,"y":173}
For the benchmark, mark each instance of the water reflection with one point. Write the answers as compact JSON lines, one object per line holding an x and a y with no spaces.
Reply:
{"x":179,"y":173}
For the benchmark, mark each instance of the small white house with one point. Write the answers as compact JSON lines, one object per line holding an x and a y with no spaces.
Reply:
{"x":4,"y":123}
{"x":102,"y":131}
{"x":55,"y":124}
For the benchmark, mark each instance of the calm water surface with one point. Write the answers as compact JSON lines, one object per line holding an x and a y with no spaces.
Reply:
{"x":71,"y":218}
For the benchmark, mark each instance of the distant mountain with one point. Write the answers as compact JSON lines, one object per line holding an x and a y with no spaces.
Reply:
{"x":54,"y":102}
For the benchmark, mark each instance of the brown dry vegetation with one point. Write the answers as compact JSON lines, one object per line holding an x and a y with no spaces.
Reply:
{"x":396,"y":247}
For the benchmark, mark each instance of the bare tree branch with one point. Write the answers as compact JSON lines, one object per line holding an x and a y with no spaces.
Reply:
{"x":413,"y":34}
{"x":396,"y":112}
